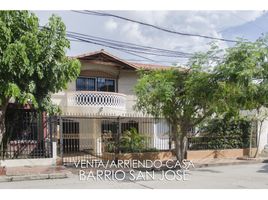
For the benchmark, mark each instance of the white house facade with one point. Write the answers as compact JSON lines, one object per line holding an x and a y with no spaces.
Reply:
{"x":103,"y":92}
{"x":105,"y":85}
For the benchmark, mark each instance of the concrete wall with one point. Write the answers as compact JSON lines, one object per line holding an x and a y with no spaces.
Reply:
{"x":28,"y":162}
{"x":226,"y":153}
{"x":32,"y":162}
{"x":161,"y":135}
{"x":163,"y":156}
{"x":263,"y":135}
{"x":127,"y":80}
{"x":111,"y":69}
{"x":92,"y":110}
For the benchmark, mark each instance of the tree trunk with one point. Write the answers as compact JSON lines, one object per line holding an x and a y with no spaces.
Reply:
{"x":250,"y":142}
{"x":258,"y":138}
{"x":3,"y":109}
{"x":180,"y":147}
{"x":180,"y":141}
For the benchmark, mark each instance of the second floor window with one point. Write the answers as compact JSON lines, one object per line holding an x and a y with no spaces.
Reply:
{"x":106,"y":85}
{"x":95,"y":84}
{"x":87,"y":84}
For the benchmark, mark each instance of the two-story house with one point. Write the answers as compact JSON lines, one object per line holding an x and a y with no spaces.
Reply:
{"x":104,"y":92}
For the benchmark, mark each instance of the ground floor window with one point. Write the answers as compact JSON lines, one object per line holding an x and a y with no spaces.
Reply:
{"x":129,"y":125}
{"x":70,"y":132}
{"x":22,"y":124}
{"x":110,"y":127}
{"x":70,"y":127}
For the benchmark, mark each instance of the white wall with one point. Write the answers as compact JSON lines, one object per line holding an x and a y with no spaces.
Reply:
{"x":263,"y":135}
{"x":161,"y":135}
{"x":126,"y":82}
{"x":114,"y":70}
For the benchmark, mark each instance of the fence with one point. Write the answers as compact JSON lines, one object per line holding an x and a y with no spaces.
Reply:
{"x":104,"y":137}
{"x":210,"y":143}
{"x":28,"y":135}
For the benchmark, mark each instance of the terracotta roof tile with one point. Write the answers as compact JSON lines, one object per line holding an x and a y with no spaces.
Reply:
{"x":131,"y":64}
{"x":151,"y":66}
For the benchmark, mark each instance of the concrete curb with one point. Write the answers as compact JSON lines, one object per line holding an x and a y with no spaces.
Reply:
{"x":241,"y":162}
{"x":35,"y":177}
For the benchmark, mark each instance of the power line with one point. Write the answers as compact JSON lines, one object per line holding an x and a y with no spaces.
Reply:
{"x":126,"y":47}
{"x":121,"y":44}
{"x":135,"y":53}
{"x":138,"y":60}
{"x":122,"y":50}
{"x":87,"y":12}
{"x":126,"y":44}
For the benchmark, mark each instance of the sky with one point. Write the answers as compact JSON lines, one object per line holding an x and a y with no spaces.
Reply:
{"x":221,"y":24}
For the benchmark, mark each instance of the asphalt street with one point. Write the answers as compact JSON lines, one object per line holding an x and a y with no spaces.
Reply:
{"x":220,"y":177}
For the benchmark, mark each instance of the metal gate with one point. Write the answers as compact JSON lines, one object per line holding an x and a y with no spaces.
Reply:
{"x":27,"y":135}
{"x":83,"y":138}
{"x":103,"y":138}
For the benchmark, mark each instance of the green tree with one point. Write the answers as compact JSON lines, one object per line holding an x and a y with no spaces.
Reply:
{"x":184,"y":97}
{"x":222,"y":83}
{"x":243,"y":76}
{"x":33,"y":61}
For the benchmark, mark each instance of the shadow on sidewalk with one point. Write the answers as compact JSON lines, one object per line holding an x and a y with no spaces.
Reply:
{"x":264,"y":169}
{"x":208,"y":170}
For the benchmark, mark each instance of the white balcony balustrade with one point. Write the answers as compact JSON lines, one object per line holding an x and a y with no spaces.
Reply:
{"x":96,"y":99}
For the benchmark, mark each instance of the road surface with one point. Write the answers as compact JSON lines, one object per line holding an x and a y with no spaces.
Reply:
{"x":221,"y":177}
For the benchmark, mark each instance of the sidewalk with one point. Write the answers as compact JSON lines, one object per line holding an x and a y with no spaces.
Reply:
{"x":34,"y":173}
{"x":60,"y":172}
{"x":226,"y":161}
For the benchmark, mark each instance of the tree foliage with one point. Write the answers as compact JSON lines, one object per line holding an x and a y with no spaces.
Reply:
{"x":33,"y":61}
{"x":244,"y":80}
{"x":218,"y":83}
{"x":184,"y":97}
{"x":243,"y":75}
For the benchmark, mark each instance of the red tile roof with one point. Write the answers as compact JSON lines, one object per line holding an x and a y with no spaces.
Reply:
{"x":151,"y":66}
{"x":130,"y":64}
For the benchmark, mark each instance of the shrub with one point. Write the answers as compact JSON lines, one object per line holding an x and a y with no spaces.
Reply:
{"x":132,"y":141}
{"x":227,"y":133}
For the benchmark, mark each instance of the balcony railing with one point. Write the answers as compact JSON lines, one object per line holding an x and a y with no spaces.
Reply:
{"x":96,"y":99}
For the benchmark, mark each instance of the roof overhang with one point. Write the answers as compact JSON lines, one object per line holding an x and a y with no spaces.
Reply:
{"x":107,"y":57}
{"x":104,"y":56}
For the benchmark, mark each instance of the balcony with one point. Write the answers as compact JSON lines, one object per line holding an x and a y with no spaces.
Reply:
{"x":95,"y":100}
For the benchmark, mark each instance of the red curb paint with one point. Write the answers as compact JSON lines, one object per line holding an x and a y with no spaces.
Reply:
{"x":2,"y":171}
